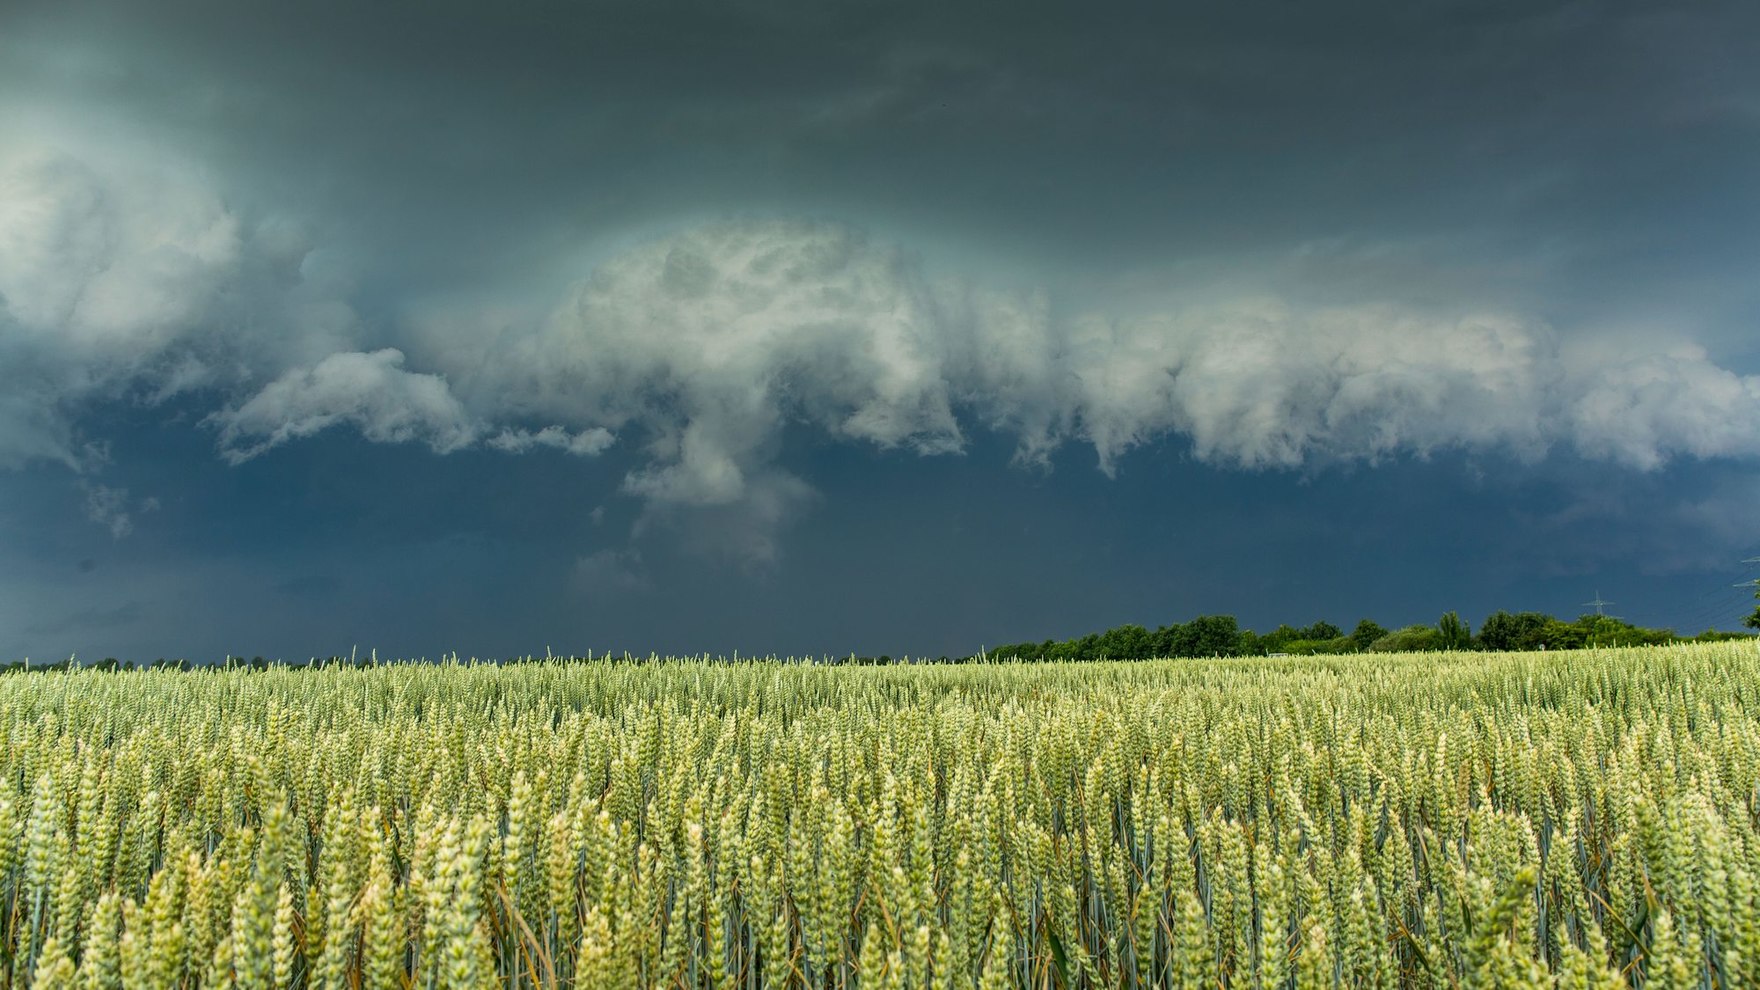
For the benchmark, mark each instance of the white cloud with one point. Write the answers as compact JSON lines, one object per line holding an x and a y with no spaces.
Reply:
{"x":112,"y":260}
{"x":1257,"y":385}
{"x":124,"y":275}
{"x":101,"y":270}
{"x":586,"y":443}
{"x":1651,"y":408}
{"x":713,"y":341}
{"x":369,"y":391}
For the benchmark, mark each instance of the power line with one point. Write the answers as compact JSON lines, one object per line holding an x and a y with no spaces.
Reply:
{"x":1713,"y":606}
{"x":1724,"y":598}
{"x":1755,"y":584}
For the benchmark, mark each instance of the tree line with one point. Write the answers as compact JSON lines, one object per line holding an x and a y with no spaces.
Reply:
{"x":1204,"y":636}
{"x":1222,"y":635}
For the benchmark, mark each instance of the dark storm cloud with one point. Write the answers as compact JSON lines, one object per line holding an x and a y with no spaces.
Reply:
{"x":1547,"y":155}
{"x":454,"y":139}
{"x":670,"y":236}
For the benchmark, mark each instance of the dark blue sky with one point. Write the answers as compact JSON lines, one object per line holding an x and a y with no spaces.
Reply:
{"x":816,"y":328}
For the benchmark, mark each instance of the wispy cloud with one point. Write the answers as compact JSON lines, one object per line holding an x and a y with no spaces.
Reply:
{"x":113,"y":509}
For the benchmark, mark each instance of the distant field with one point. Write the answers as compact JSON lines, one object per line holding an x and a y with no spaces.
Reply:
{"x":1440,"y":820}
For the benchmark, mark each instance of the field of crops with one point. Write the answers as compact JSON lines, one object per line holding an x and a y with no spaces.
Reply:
{"x":1475,"y":820}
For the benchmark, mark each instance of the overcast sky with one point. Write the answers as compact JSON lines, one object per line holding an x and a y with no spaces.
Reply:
{"x":875,"y":327}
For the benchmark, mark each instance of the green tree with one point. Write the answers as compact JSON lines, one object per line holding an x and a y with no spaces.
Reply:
{"x":1215,"y":635}
{"x":1560,"y":635}
{"x":1164,"y":640}
{"x":1454,"y":632}
{"x":1365,"y":635}
{"x":1127,"y":642}
{"x":1087,"y":648}
{"x":1504,"y":632}
{"x":1753,"y":621}
{"x":1605,"y":630}
{"x":1277,"y":639}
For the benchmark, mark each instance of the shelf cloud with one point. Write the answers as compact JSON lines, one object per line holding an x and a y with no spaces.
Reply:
{"x":704,"y":346}
{"x":699,"y":350}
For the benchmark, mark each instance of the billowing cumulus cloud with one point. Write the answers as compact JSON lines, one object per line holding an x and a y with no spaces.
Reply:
{"x":124,"y":275}
{"x":101,"y":270}
{"x":713,"y":341}
{"x":113,"y":262}
{"x":1257,"y":384}
{"x":1644,"y":410}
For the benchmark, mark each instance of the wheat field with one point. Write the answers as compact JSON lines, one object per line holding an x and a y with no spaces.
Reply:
{"x":1579,"y":820}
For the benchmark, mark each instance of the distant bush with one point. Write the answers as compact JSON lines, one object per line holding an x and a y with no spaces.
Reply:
{"x":1411,"y":639}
